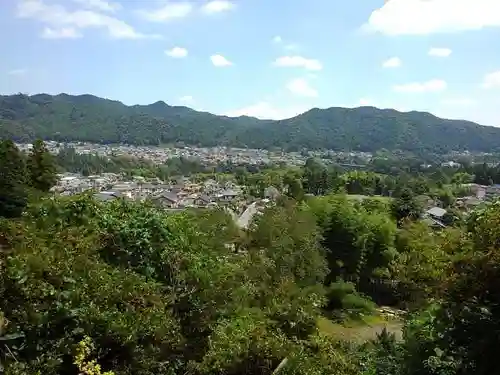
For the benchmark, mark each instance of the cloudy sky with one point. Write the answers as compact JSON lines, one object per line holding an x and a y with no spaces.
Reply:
{"x":263,"y":58}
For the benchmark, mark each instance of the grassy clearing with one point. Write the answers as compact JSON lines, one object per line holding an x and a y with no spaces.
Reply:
{"x":361,"y":197}
{"x":360,"y":330}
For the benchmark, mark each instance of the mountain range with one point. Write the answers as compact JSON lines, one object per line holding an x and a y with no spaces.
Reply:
{"x":66,"y":117}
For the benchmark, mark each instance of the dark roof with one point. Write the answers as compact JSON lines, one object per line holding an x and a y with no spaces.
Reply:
{"x":434,"y":223}
{"x":205,"y":198}
{"x":229,"y":193}
{"x":107,"y":195}
{"x":170,"y":196}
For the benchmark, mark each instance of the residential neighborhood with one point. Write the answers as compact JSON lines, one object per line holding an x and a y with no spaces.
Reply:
{"x":177,"y":195}
{"x":183,"y":192}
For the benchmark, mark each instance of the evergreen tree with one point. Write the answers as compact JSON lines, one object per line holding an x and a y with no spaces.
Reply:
{"x":13,"y":194}
{"x":315,"y":177}
{"x":406,"y":207}
{"x":41,"y":167}
{"x":295,"y":190}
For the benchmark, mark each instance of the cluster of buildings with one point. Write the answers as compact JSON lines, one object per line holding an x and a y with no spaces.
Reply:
{"x":180,"y":194}
{"x":159,"y":155}
{"x":215,"y":155}
{"x":479,"y":195}
{"x":209,"y":155}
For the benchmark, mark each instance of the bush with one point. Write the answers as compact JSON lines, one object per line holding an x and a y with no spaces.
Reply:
{"x":343,"y":299}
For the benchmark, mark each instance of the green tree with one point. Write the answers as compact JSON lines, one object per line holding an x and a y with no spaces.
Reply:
{"x":462,"y":178}
{"x":421,"y":263}
{"x":452,"y":217}
{"x":459,"y":335}
{"x":295,"y":190}
{"x":470,"y":314}
{"x":315,"y":177}
{"x":359,"y":243}
{"x":446,"y":197}
{"x":290,"y":238}
{"x":386,"y":355}
{"x":13,"y":193}
{"x":41,"y":167}
{"x":406,"y":207}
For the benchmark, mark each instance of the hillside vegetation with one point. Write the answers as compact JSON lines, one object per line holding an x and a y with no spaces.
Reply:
{"x":89,"y":118}
{"x":316,"y":285}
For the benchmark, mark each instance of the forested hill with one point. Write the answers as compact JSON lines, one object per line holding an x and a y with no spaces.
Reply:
{"x":89,"y":118}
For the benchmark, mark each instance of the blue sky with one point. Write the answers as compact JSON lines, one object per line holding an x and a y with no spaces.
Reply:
{"x":269,"y":59}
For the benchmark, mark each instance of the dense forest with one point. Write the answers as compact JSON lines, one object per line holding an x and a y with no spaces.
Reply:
{"x":123,"y":287}
{"x":88,"y":118}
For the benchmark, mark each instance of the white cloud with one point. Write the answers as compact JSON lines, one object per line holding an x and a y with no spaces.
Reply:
{"x":187,"y":99}
{"x":177,"y":52}
{"x":421,"y":17}
{"x":440,"y":52}
{"x":434,"y":85}
{"x":393,"y":62}
{"x":17,"y":72}
{"x":301,"y":87}
{"x":491,"y":80}
{"x":101,"y":5}
{"x":61,"y":33}
{"x":59,"y":17}
{"x":266,"y":111}
{"x":298,"y":62}
{"x":168,"y":12}
{"x":219,"y":60}
{"x":217,"y":6}
{"x":277,"y":39}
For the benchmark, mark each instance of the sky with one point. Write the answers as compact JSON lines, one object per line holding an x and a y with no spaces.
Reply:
{"x":264,"y":58}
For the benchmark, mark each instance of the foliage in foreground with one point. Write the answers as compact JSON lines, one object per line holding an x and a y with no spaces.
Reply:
{"x":158,"y":293}
{"x":163,"y":293}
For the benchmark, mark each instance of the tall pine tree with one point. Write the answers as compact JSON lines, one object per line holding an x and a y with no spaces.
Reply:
{"x":41,"y":167}
{"x":13,"y":192}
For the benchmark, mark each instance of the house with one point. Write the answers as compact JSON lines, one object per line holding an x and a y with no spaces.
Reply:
{"x":436,"y":213}
{"x":246,"y":217}
{"x":147,"y":188}
{"x":271,"y":193}
{"x":167,"y":199}
{"x":176,"y":189}
{"x":124,"y":188}
{"x":434,"y":223}
{"x":451,"y":164}
{"x":106,"y":196}
{"x":228,"y":195}
{"x":203,"y":200}
{"x":434,"y":217}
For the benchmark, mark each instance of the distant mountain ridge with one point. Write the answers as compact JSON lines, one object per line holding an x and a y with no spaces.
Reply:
{"x":89,"y":118}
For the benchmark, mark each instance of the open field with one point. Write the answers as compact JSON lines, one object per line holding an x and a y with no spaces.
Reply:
{"x":360,"y":330}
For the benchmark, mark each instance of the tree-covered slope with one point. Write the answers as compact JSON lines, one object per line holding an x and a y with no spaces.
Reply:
{"x":89,"y":118}
{"x":370,"y":129}
{"x":85,"y":117}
